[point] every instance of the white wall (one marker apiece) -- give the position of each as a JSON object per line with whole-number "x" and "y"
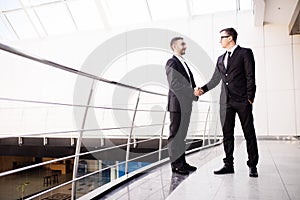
{"x": 277, "y": 103}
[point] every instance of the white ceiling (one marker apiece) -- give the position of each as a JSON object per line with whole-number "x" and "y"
{"x": 23, "y": 19}
{"x": 279, "y": 11}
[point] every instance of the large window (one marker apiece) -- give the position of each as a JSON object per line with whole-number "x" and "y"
{"x": 23, "y": 19}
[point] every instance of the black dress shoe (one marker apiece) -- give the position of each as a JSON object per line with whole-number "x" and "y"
{"x": 225, "y": 170}
{"x": 180, "y": 170}
{"x": 253, "y": 172}
{"x": 190, "y": 168}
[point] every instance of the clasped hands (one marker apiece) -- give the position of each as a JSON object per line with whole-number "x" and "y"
{"x": 198, "y": 91}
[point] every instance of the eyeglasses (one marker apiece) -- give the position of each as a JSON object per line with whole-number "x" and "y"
{"x": 225, "y": 36}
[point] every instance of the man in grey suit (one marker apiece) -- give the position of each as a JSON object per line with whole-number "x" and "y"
{"x": 180, "y": 98}
{"x": 236, "y": 69}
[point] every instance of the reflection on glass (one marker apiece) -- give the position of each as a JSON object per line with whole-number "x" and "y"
{"x": 101, "y": 172}
{"x": 176, "y": 179}
{"x": 32, "y": 181}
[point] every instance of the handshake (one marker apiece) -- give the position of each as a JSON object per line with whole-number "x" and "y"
{"x": 198, "y": 91}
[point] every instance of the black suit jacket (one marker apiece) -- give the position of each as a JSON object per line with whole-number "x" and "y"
{"x": 181, "y": 90}
{"x": 238, "y": 80}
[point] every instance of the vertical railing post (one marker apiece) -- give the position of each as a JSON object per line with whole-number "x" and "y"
{"x": 130, "y": 134}
{"x": 208, "y": 134}
{"x": 161, "y": 136}
{"x": 205, "y": 126}
{"x": 78, "y": 144}
{"x": 216, "y": 130}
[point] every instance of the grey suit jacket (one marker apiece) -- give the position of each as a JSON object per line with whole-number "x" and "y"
{"x": 181, "y": 88}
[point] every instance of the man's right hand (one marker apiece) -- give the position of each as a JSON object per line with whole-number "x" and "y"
{"x": 198, "y": 91}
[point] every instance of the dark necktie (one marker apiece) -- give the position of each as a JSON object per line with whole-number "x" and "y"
{"x": 228, "y": 58}
{"x": 189, "y": 71}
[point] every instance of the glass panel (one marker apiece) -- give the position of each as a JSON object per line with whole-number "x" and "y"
{"x": 200, "y": 7}
{"x": 40, "y": 2}
{"x": 21, "y": 24}
{"x": 36, "y": 22}
{"x": 5, "y": 34}
{"x": 85, "y": 14}
{"x": 26, "y": 183}
{"x": 26, "y": 3}
{"x": 55, "y": 18}
{"x": 9, "y": 4}
{"x": 168, "y": 9}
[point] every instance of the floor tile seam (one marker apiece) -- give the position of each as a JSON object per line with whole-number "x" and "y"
{"x": 278, "y": 171}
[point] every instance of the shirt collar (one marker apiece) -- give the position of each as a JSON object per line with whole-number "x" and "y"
{"x": 232, "y": 49}
{"x": 179, "y": 58}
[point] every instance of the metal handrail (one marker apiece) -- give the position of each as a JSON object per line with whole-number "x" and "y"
{"x": 130, "y": 134}
{"x": 88, "y": 106}
{"x": 71, "y": 70}
{"x": 86, "y": 130}
{"x": 74, "y": 131}
{"x": 146, "y": 140}
{"x": 194, "y": 141}
{"x": 77, "y": 105}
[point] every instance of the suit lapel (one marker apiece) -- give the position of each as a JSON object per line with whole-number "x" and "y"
{"x": 233, "y": 57}
{"x": 181, "y": 69}
{"x": 192, "y": 78}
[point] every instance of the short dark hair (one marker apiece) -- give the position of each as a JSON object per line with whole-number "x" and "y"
{"x": 174, "y": 40}
{"x": 232, "y": 32}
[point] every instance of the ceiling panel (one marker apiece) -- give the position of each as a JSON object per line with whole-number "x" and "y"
{"x": 85, "y": 14}
{"x": 55, "y": 18}
{"x": 168, "y": 9}
{"x": 21, "y": 24}
{"x": 5, "y": 33}
{"x": 9, "y": 4}
{"x": 36, "y": 22}
{"x": 279, "y": 11}
{"x": 121, "y": 13}
{"x": 40, "y": 2}
{"x": 200, "y": 7}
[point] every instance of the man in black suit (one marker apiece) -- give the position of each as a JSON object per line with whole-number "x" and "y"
{"x": 236, "y": 69}
{"x": 180, "y": 98}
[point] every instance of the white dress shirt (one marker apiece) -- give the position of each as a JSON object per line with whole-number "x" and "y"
{"x": 226, "y": 56}
{"x": 184, "y": 65}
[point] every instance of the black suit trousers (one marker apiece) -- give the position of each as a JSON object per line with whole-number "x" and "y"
{"x": 179, "y": 123}
{"x": 227, "y": 114}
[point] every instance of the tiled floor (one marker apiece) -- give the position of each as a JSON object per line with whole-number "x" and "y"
{"x": 278, "y": 168}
